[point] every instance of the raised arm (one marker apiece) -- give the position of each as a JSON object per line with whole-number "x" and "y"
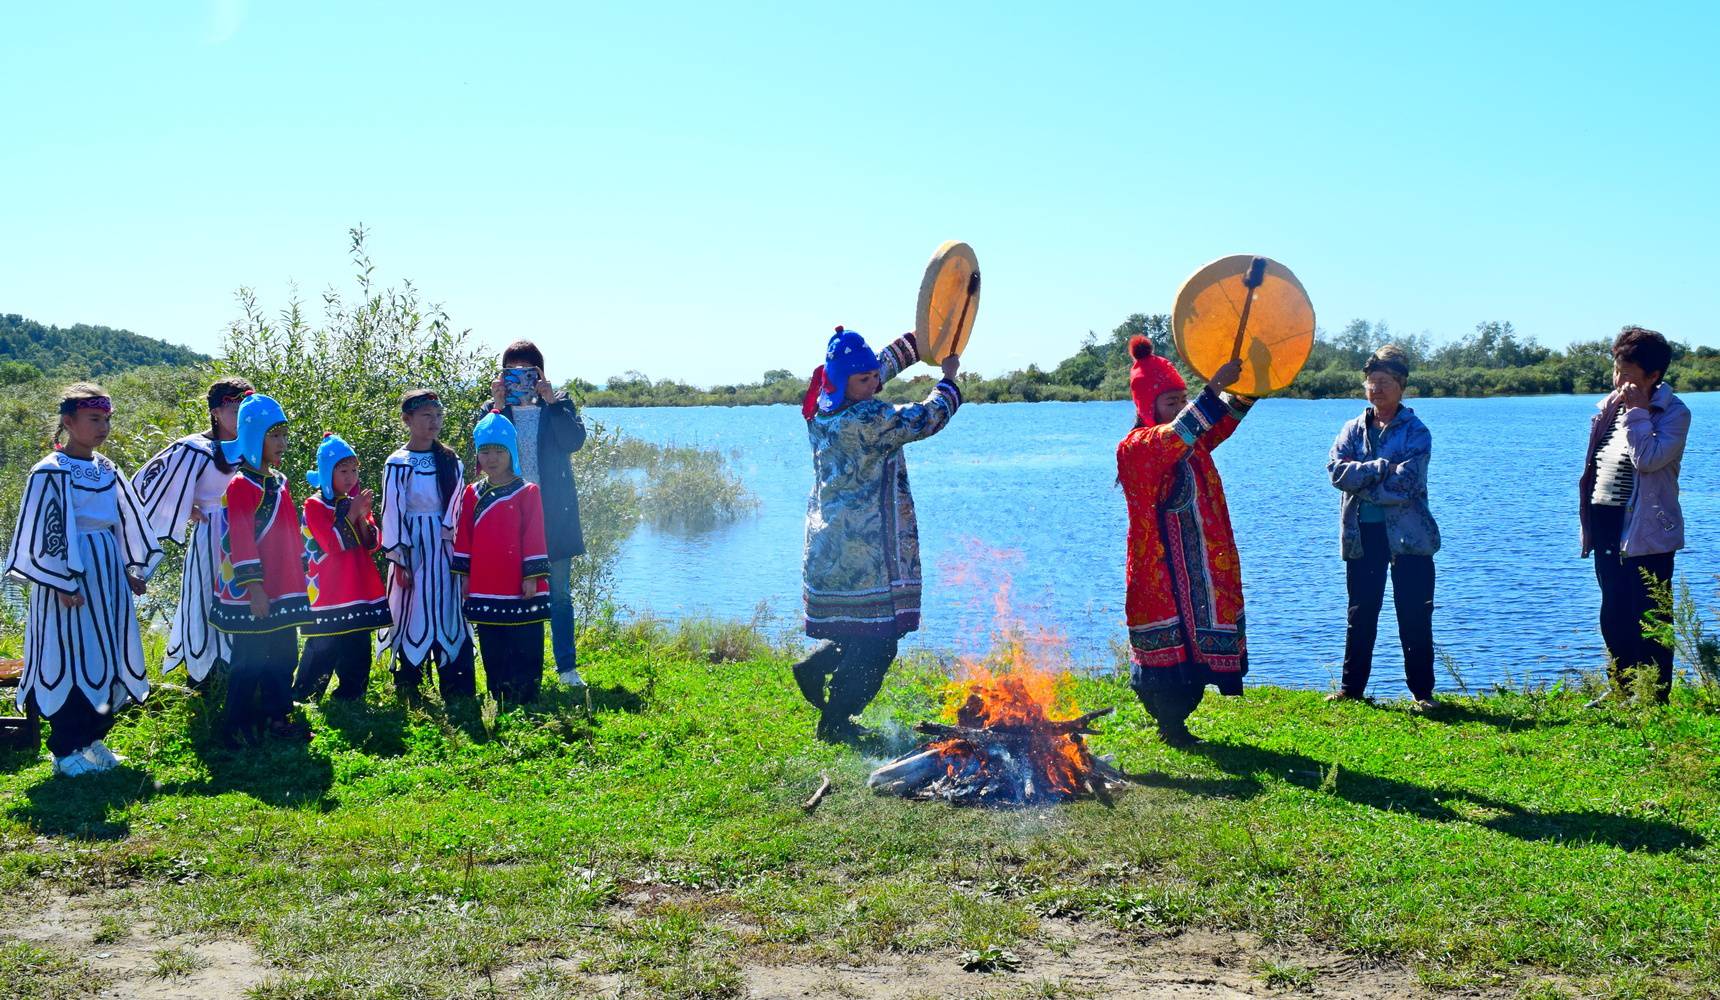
{"x": 918, "y": 421}
{"x": 897, "y": 356}
{"x": 1235, "y": 408}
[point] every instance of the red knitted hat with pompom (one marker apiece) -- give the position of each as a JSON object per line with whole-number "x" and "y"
{"x": 1150, "y": 376}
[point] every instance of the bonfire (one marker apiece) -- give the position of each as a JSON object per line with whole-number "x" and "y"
{"x": 1007, "y": 746}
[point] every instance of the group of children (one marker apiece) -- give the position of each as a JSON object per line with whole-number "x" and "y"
{"x": 259, "y": 571}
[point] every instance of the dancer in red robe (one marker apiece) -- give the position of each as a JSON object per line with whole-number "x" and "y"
{"x": 1184, "y": 578}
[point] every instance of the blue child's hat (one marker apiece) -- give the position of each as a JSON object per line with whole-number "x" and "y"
{"x": 847, "y": 355}
{"x": 330, "y": 453}
{"x": 257, "y": 414}
{"x": 497, "y": 429}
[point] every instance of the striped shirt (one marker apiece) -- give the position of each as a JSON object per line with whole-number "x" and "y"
{"x": 1615, "y": 476}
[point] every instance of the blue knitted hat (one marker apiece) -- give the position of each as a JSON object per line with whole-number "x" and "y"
{"x": 847, "y": 355}
{"x": 497, "y": 429}
{"x": 257, "y": 414}
{"x": 330, "y": 453}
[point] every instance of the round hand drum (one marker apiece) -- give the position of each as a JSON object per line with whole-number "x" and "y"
{"x": 1270, "y": 328}
{"x": 949, "y": 301}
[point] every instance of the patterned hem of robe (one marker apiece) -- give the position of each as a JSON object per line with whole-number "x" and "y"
{"x": 284, "y": 613}
{"x": 1186, "y": 673}
{"x": 364, "y": 616}
{"x": 895, "y": 627}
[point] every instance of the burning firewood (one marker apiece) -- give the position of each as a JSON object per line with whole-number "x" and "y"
{"x": 1003, "y": 750}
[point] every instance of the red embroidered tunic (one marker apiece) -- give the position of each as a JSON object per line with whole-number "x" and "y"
{"x": 345, "y": 591}
{"x": 260, "y": 547}
{"x": 1184, "y": 578}
{"x": 498, "y": 546}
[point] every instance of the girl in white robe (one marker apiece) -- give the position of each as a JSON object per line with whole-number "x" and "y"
{"x": 85, "y": 546}
{"x": 421, "y": 488}
{"x": 181, "y": 490}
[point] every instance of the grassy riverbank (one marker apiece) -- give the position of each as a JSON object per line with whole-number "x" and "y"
{"x": 1514, "y": 845}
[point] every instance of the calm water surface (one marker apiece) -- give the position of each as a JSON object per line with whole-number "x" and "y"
{"x": 1024, "y": 494}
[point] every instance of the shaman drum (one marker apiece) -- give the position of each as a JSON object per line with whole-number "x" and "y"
{"x": 949, "y": 301}
{"x": 1248, "y": 308}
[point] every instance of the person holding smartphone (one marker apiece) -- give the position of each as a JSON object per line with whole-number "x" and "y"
{"x": 548, "y": 430}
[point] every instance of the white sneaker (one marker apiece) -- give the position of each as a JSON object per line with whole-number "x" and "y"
{"x": 74, "y": 764}
{"x": 571, "y": 677}
{"x": 99, "y": 753}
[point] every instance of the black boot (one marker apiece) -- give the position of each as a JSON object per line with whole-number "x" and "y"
{"x": 812, "y": 673}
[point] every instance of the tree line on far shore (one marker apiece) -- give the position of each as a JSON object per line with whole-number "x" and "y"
{"x": 1492, "y": 361}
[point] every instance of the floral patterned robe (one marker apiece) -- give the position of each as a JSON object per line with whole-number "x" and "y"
{"x": 862, "y": 560}
{"x": 1184, "y": 602}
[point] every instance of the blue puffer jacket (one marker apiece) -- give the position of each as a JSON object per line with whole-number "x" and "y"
{"x": 1395, "y": 478}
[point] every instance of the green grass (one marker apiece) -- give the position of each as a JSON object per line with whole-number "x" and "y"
{"x": 1516, "y": 839}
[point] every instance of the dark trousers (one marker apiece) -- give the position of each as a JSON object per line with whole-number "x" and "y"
{"x": 217, "y": 669}
{"x": 1412, "y": 593}
{"x": 855, "y": 668}
{"x": 513, "y": 661}
{"x": 1625, "y": 598}
{"x": 260, "y": 680}
{"x": 76, "y": 725}
{"x": 1169, "y": 703}
{"x": 344, "y": 656}
{"x": 454, "y": 674}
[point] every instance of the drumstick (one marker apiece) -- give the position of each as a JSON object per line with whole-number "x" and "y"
{"x": 972, "y": 290}
{"x": 1251, "y": 280}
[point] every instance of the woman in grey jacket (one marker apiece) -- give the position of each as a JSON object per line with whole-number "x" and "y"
{"x": 1379, "y": 462}
{"x": 1628, "y": 499}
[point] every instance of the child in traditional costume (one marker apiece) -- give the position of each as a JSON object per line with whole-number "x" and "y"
{"x": 260, "y": 594}
{"x": 181, "y": 489}
{"x": 499, "y": 547}
{"x": 346, "y": 593}
{"x": 85, "y": 546}
{"x": 862, "y": 561}
{"x": 1184, "y": 578}
{"x": 421, "y": 489}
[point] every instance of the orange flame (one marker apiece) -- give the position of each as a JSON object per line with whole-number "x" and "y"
{"x": 1016, "y": 689}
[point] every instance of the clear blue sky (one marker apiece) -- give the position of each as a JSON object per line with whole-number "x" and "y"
{"x": 703, "y": 193}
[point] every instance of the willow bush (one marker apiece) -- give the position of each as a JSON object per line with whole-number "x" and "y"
{"x": 346, "y": 374}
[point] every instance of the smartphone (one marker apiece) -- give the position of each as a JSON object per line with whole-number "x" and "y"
{"x": 521, "y": 384}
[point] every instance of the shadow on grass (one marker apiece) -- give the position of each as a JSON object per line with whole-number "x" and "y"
{"x": 1244, "y": 765}
{"x": 374, "y": 730}
{"x": 1501, "y": 718}
{"x": 83, "y": 807}
{"x": 276, "y": 772}
{"x": 92, "y": 807}
{"x": 604, "y": 698}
